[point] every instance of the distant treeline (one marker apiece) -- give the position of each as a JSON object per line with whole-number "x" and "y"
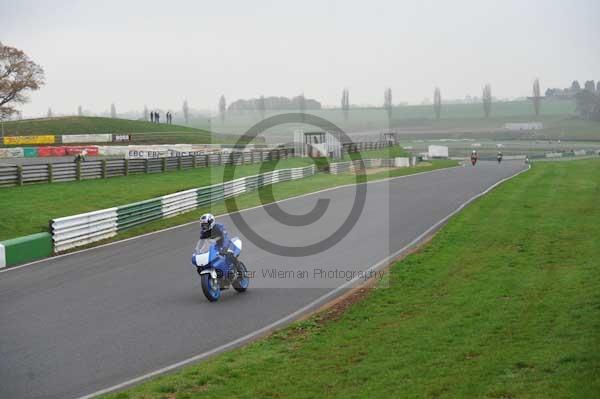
{"x": 274, "y": 103}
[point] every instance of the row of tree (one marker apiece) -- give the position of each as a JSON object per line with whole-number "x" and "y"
{"x": 19, "y": 74}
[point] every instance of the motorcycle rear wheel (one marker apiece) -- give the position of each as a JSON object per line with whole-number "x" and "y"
{"x": 241, "y": 284}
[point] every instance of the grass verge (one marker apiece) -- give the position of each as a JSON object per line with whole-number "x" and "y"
{"x": 504, "y": 302}
{"x": 69, "y": 198}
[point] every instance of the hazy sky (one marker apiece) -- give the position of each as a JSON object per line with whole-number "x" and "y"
{"x": 159, "y": 52}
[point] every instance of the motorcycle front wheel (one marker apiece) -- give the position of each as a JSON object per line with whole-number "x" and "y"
{"x": 241, "y": 283}
{"x": 210, "y": 287}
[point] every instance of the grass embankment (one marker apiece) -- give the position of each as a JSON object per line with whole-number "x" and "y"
{"x": 89, "y": 124}
{"x": 503, "y": 303}
{"x": 142, "y": 132}
{"x": 457, "y": 121}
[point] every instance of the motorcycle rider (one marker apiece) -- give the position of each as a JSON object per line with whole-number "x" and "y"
{"x": 209, "y": 229}
{"x": 474, "y": 157}
{"x": 499, "y": 156}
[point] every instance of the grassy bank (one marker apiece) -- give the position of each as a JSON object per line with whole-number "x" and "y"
{"x": 503, "y": 303}
{"x": 90, "y": 124}
{"x": 457, "y": 121}
{"x": 142, "y": 132}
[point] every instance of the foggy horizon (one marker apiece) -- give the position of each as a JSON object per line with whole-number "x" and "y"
{"x": 158, "y": 54}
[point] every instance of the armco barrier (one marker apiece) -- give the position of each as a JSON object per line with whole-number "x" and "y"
{"x": 25, "y": 249}
{"x": 351, "y": 166}
{"x": 74, "y": 231}
{"x": 94, "y": 169}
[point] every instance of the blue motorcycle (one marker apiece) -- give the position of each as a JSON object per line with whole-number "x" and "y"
{"x": 219, "y": 270}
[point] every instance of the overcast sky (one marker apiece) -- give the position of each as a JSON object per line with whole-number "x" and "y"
{"x": 159, "y": 52}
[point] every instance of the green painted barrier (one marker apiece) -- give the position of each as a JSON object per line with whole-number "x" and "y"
{"x": 137, "y": 213}
{"x": 30, "y": 152}
{"x": 25, "y": 249}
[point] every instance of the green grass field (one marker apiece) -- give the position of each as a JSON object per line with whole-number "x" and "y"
{"x": 142, "y": 132}
{"x": 504, "y": 302}
{"x": 89, "y": 124}
{"x": 457, "y": 121}
{"x": 69, "y": 198}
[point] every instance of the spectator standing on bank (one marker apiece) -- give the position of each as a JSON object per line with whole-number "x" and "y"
{"x": 157, "y": 117}
{"x": 152, "y": 116}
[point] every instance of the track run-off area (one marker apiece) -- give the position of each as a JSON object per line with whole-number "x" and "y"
{"x": 102, "y": 318}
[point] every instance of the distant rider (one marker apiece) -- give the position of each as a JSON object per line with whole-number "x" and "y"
{"x": 216, "y": 231}
{"x": 81, "y": 156}
{"x": 499, "y": 156}
{"x": 474, "y": 157}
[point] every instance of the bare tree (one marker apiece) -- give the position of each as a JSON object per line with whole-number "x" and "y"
{"x": 186, "y": 111}
{"x": 346, "y": 103}
{"x": 145, "y": 112}
{"x": 387, "y": 105}
{"x": 261, "y": 107}
{"x": 222, "y": 108}
{"x": 598, "y": 86}
{"x": 302, "y": 105}
{"x": 575, "y": 86}
{"x": 18, "y": 74}
{"x": 49, "y": 112}
{"x": 437, "y": 102}
{"x": 487, "y": 100}
{"x": 79, "y": 111}
{"x": 590, "y": 86}
{"x": 537, "y": 99}
{"x": 113, "y": 111}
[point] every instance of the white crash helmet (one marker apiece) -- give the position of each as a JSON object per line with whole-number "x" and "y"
{"x": 207, "y": 221}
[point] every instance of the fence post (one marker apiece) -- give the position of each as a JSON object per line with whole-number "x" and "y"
{"x": 147, "y": 167}
{"x": 164, "y": 165}
{"x": 178, "y": 163}
{"x": 19, "y": 175}
{"x": 126, "y": 166}
{"x": 104, "y": 168}
{"x": 50, "y": 172}
{"x": 78, "y": 169}
{"x": 194, "y": 161}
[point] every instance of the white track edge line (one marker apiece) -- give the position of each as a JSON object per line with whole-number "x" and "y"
{"x": 8, "y": 269}
{"x": 306, "y": 308}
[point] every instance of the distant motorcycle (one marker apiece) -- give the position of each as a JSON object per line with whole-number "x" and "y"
{"x": 499, "y": 157}
{"x": 219, "y": 270}
{"x": 474, "y": 158}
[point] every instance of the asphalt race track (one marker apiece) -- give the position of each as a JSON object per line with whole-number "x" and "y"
{"x": 84, "y": 322}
